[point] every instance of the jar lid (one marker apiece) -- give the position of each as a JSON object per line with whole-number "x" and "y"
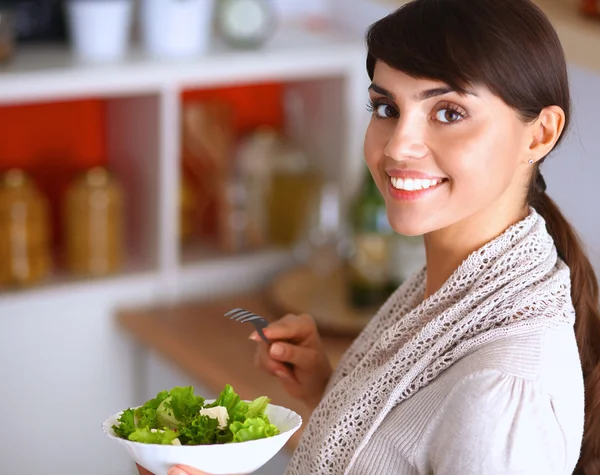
{"x": 97, "y": 176}
{"x": 15, "y": 178}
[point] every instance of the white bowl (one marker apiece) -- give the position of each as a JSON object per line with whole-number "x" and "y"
{"x": 218, "y": 459}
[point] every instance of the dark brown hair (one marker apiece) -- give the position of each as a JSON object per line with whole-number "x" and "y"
{"x": 510, "y": 47}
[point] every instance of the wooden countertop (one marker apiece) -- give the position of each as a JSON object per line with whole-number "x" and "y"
{"x": 214, "y": 350}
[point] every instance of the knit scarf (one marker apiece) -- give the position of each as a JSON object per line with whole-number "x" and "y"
{"x": 516, "y": 280}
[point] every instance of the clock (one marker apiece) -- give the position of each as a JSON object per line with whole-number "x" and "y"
{"x": 245, "y": 24}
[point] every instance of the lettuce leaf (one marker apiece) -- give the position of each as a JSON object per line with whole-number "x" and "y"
{"x": 224, "y": 436}
{"x": 257, "y": 407}
{"x": 238, "y": 413}
{"x": 146, "y": 414}
{"x": 180, "y": 406}
{"x": 253, "y": 429}
{"x": 228, "y": 399}
{"x": 125, "y": 424}
{"x": 176, "y": 414}
{"x": 200, "y": 430}
{"x": 146, "y": 436}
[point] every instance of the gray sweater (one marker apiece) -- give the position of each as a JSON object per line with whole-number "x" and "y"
{"x": 513, "y": 406}
{"x": 483, "y": 377}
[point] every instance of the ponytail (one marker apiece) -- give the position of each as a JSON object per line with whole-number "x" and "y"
{"x": 584, "y": 294}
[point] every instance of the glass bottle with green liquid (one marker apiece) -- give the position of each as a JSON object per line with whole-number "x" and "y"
{"x": 368, "y": 268}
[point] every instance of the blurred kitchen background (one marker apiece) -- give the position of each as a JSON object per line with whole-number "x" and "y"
{"x": 161, "y": 154}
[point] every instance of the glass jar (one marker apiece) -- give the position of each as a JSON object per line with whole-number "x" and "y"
{"x": 293, "y": 191}
{"x": 94, "y": 224}
{"x": 24, "y": 231}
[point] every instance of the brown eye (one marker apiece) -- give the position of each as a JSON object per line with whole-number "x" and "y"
{"x": 448, "y": 116}
{"x": 385, "y": 111}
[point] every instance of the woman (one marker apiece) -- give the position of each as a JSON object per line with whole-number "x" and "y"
{"x": 477, "y": 364}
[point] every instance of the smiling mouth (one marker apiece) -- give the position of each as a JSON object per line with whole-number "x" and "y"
{"x": 416, "y": 184}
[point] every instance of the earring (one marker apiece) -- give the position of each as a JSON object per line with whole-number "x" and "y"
{"x": 531, "y": 162}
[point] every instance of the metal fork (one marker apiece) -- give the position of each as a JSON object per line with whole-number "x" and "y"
{"x": 244, "y": 316}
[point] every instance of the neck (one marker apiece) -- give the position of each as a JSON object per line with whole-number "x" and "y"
{"x": 447, "y": 248}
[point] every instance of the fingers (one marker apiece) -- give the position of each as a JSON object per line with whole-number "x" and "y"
{"x": 185, "y": 470}
{"x": 177, "y": 470}
{"x": 272, "y": 358}
{"x": 142, "y": 470}
{"x": 263, "y": 360}
{"x": 290, "y": 327}
{"x": 299, "y": 356}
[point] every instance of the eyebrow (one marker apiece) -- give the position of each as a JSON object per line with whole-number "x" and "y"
{"x": 422, "y": 96}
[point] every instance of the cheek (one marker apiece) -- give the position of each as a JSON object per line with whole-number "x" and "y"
{"x": 478, "y": 156}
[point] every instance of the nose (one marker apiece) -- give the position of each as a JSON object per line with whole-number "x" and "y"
{"x": 407, "y": 140}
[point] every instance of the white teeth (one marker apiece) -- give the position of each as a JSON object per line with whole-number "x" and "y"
{"x": 413, "y": 184}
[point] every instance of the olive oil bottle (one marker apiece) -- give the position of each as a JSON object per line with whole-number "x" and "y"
{"x": 368, "y": 273}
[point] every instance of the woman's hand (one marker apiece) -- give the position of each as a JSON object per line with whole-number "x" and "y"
{"x": 296, "y": 341}
{"x": 178, "y": 470}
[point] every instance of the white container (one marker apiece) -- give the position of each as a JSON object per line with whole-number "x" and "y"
{"x": 99, "y": 28}
{"x": 176, "y": 28}
{"x": 222, "y": 459}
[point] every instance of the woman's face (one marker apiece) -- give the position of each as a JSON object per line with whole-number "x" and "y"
{"x": 441, "y": 158}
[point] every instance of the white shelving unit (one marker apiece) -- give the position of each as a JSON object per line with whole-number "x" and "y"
{"x": 143, "y": 120}
{"x": 58, "y": 340}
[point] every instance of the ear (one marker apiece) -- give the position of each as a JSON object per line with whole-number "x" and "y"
{"x": 546, "y": 131}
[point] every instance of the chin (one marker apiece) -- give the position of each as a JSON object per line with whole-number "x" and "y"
{"x": 408, "y": 226}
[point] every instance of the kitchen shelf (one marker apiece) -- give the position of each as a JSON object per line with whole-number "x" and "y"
{"x": 143, "y": 96}
{"x": 61, "y": 286}
{"x": 50, "y": 72}
{"x": 130, "y": 151}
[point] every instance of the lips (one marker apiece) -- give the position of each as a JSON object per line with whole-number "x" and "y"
{"x": 411, "y": 189}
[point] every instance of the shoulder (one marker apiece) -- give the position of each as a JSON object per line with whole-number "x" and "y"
{"x": 494, "y": 423}
{"x": 515, "y": 405}
{"x": 546, "y": 355}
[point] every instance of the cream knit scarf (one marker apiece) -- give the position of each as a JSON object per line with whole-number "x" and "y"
{"x": 513, "y": 281}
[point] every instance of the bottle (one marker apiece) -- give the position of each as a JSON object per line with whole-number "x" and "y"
{"x": 94, "y": 224}
{"x": 324, "y": 245}
{"x": 254, "y": 165}
{"x": 368, "y": 267}
{"x": 187, "y": 209}
{"x": 24, "y": 231}
{"x": 295, "y": 181}
{"x": 293, "y": 191}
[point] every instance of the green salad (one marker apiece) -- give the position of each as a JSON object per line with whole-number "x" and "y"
{"x": 179, "y": 417}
